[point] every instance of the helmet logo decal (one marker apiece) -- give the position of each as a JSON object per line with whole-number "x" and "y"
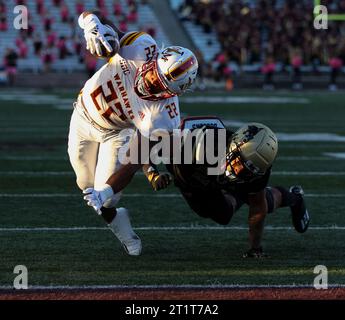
{"x": 251, "y": 132}
{"x": 169, "y": 51}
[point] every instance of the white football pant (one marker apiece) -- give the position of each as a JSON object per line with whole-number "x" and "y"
{"x": 94, "y": 153}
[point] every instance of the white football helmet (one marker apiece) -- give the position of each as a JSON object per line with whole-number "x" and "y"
{"x": 251, "y": 153}
{"x": 174, "y": 68}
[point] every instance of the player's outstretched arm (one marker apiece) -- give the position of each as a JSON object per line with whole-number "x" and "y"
{"x": 98, "y": 35}
{"x": 256, "y": 219}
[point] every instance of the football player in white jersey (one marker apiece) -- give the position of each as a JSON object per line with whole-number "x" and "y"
{"x": 138, "y": 89}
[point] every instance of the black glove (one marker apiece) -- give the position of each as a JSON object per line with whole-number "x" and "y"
{"x": 255, "y": 253}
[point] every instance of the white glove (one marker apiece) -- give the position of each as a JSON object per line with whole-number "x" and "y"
{"x": 96, "y": 198}
{"x": 94, "y": 33}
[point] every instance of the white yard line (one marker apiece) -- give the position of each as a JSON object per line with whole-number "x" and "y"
{"x": 36, "y": 173}
{"x": 308, "y": 173}
{"x": 336, "y": 155}
{"x": 34, "y": 158}
{"x": 245, "y": 100}
{"x": 300, "y": 158}
{"x": 138, "y": 195}
{"x": 70, "y": 195}
{"x": 45, "y": 130}
{"x": 165, "y": 228}
{"x": 57, "y": 158}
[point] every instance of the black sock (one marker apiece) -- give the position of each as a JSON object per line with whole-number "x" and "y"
{"x": 288, "y": 198}
{"x": 108, "y": 214}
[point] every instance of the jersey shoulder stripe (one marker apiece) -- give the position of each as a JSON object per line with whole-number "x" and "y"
{"x": 130, "y": 38}
{"x": 126, "y": 37}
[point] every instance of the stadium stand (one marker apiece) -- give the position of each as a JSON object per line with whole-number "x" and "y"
{"x": 264, "y": 36}
{"x": 245, "y": 41}
{"x": 53, "y": 41}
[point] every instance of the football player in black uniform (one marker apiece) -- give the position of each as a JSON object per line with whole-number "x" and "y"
{"x": 251, "y": 151}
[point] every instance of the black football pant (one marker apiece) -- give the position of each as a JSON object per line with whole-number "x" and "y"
{"x": 217, "y": 205}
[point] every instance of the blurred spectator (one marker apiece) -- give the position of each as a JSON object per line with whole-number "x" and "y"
{"x": 27, "y": 33}
{"x": 64, "y": 12}
{"x": 100, "y": 3}
{"x": 62, "y": 46}
{"x": 3, "y": 22}
{"x": 200, "y": 80}
{"x": 296, "y": 63}
{"x": 151, "y": 30}
{"x": 40, "y": 7}
{"x": 10, "y": 62}
{"x": 57, "y": 3}
{"x": 22, "y": 47}
{"x": 47, "y": 58}
{"x": 2, "y": 8}
{"x": 47, "y": 22}
{"x": 51, "y": 39}
{"x": 117, "y": 8}
{"x": 268, "y": 70}
{"x": 104, "y": 12}
{"x": 78, "y": 48}
{"x": 79, "y": 7}
{"x": 222, "y": 71}
{"x": 37, "y": 43}
{"x": 132, "y": 5}
{"x": 31, "y": 29}
{"x": 335, "y": 64}
{"x": 132, "y": 16}
{"x": 90, "y": 63}
{"x": 123, "y": 25}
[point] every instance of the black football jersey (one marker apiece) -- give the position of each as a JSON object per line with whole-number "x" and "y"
{"x": 196, "y": 177}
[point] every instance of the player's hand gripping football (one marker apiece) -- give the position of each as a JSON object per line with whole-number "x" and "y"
{"x": 97, "y": 198}
{"x": 95, "y": 34}
{"x": 160, "y": 181}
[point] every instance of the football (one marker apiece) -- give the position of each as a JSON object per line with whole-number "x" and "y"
{"x": 114, "y": 43}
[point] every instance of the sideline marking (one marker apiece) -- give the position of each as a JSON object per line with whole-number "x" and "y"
{"x": 184, "y": 286}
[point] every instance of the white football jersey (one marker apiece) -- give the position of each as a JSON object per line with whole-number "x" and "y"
{"x": 109, "y": 95}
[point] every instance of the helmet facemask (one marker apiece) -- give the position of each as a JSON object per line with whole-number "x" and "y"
{"x": 239, "y": 169}
{"x": 251, "y": 152}
{"x": 147, "y": 90}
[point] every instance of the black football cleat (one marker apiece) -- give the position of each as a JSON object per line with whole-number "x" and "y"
{"x": 299, "y": 212}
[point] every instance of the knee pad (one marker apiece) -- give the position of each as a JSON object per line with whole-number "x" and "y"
{"x": 269, "y": 200}
{"x": 288, "y": 198}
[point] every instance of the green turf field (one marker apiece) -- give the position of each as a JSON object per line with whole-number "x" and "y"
{"x": 40, "y": 203}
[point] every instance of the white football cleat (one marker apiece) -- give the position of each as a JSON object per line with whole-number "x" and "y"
{"x": 122, "y": 228}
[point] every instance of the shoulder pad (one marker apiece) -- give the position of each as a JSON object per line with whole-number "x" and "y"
{"x": 130, "y": 37}
{"x": 199, "y": 122}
